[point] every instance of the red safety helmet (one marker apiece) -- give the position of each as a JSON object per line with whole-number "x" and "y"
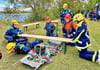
{"x": 67, "y": 16}
{"x": 47, "y": 18}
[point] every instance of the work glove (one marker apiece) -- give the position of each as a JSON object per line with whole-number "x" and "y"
{"x": 18, "y": 33}
{"x": 63, "y": 21}
{"x": 21, "y": 33}
{"x": 64, "y": 35}
{"x": 14, "y": 35}
{"x": 69, "y": 35}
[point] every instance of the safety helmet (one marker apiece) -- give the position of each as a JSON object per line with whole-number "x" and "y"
{"x": 78, "y": 17}
{"x": 14, "y": 22}
{"x": 47, "y": 18}
{"x": 94, "y": 11}
{"x": 65, "y": 5}
{"x": 10, "y": 47}
{"x": 67, "y": 16}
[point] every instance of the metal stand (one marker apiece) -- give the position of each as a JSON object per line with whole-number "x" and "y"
{"x": 57, "y": 29}
{"x": 37, "y": 25}
{"x": 65, "y": 47}
{"x": 25, "y": 28}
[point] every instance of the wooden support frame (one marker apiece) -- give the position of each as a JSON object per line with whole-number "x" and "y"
{"x": 65, "y": 40}
{"x": 56, "y": 22}
{"x": 26, "y": 26}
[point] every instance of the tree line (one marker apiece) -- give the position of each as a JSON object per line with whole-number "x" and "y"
{"x": 52, "y": 8}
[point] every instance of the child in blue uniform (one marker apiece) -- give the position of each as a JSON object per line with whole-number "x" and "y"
{"x": 94, "y": 15}
{"x": 49, "y": 27}
{"x": 82, "y": 40}
{"x": 65, "y": 11}
{"x": 91, "y": 14}
{"x": 82, "y": 12}
{"x": 21, "y": 45}
{"x": 86, "y": 14}
{"x": 12, "y": 32}
{"x": 69, "y": 28}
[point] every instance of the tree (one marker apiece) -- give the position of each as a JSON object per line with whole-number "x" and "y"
{"x": 43, "y": 8}
{"x": 74, "y": 5}
{"x": 39, "y": 7}
{"x": 91, "y": 4}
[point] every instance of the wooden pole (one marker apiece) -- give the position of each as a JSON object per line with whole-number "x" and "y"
{"x": 65, "y": 40}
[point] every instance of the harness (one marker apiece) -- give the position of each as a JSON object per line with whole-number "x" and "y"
{"x": 71, "y": 27}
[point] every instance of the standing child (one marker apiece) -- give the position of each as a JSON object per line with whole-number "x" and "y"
{"x": 65, "y": 11}
{"x": 86, "y": 14}
{"x": 49, "y": 27}
{"x": 69, "y": 28}
{"x": 82, "y": 40}
{"x": 91, "y": 14}
{"x": 94, "y": 15}
{"x": 82, "y": 12}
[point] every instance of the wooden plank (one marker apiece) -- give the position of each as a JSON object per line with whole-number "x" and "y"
{"x": 55, "y": 21}
{"x": 31, "y": 24}
{"x": 46, "y": 37}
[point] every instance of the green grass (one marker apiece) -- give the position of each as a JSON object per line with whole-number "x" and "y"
{"x": 70, "y": 61}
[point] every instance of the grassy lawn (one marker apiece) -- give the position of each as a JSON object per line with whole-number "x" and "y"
{"x": 70, "y": 61}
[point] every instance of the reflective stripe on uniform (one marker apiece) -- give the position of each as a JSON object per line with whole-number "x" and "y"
{"x": 10, "y": 28}
{"x": 79, "y": 24}
{"x": 37, "y": 41}
{"x": 5, "y": 35}
{"x": 76, "y": 39}
{"x": 86, "y": 35}
{"x": 80, "y": 48}
{"x": 17, "y": 33}
{"x": 79, "y": 42}
{"x": 21, "y": 46}
{"x": 8, "y": 39}
{"x": 94, "y": 56}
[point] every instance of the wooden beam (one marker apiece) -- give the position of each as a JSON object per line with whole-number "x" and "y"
{"x": 31, "y": 24}
{"x": 46, "y": 37}
{"x": 55, "y": 21}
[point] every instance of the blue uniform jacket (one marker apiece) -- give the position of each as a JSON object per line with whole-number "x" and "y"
{"x": 63, "y": 13}
{"x": 13, "y": 31}
{"x": 97, "y": 8}
{"x": 49, "y": 26}
{"x": 82, "y": 12}
{"x": 27, "y": 47}
{"x": 23, "y": 47}
{"x": 82, "y": 35}
{"x": 91, "y": 13}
